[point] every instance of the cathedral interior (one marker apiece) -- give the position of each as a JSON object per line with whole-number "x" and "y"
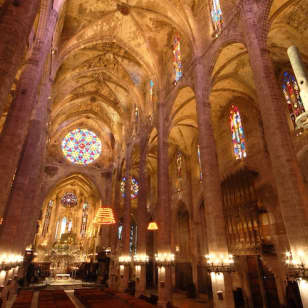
{"x": 154, "y": 153}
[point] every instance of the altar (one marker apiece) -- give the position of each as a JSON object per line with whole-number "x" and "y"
{"x": 63, "y": 276}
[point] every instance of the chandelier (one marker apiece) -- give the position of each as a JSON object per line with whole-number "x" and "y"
{"x": 104, "y": 216}
{"x": 69, "y": 200}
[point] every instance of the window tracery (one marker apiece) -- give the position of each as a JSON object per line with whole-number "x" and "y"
{"x": 177, "y": 59}
{"x": 217, "y": 17}
{"x": 199, "y": 161}
{"x": 134, "y": 187}
{"x": 238, "y": 136}
{"x": 81, "y": 147}
{"x": 47, "y": 218}
{"x": 291, "y": 93}
{"x": 84, "y": 220}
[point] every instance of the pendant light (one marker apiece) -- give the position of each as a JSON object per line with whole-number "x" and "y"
{"x": 104, "y": 216}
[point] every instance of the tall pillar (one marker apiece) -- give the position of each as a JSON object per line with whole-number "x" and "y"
{"x": 16, "y": 127}
{"x": 292, "y": 195}
{"x": 16, "y": 22}
{"x": 289, "y": 182}
{"x": 164, "y": 211}
{"x": 23, "y": 212}
{"x": 126, "y": 220}
{"x": 142, "y": 215}
{"x": 217, "y": 243}
{"x": 301, "y": 76}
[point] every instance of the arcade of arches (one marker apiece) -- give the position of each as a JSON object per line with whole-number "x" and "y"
{"x": 192, "y": 114}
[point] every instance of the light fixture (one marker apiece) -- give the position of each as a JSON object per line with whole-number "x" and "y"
{"x": 141, "y": 258}
{"x": 296, "y": 267}
{"x": 104, "y": 216}
{"x": 165, "y": 258}
{"x": 125, "y": 259}
{"x": 152, "y": 226}
{"x": 220, "y": 263}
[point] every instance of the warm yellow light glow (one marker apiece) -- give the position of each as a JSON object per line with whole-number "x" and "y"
{"x": 141, "y": 258}
{"x": 152, "y": 226}
{"x": 125, "y": 259}
{"x": 104, "y": 216}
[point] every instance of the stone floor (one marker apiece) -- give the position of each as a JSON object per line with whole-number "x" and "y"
{"x": 179, "y": 300}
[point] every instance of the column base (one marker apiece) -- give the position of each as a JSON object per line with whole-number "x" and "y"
{"x": 222, "y": 290}
{"x": 303, "y": 290}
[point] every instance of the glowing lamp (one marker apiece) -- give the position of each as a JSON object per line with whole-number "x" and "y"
{"x": 152, "y": 226}
{"x": 104, "y": 216}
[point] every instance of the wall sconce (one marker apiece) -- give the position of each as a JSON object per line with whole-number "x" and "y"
{"x": 9, "y": 261}
{"x": 164, "y": 259}
{"x": 296, "y": 267}
{"x": 141, "y": 258}
{"x": 125, "y": 259}
{"x": 221, "y": 264}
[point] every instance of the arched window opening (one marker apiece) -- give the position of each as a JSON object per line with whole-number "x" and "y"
{"x": 63, "y": 226}
{"x": 120, "y": 230}
{"x": 177, "y": 59}
{"x": 47, "y": 218}
{"x": 238, "y": 136}
{"x": 133, "y": 238}
{"x": 84, "y": 220}
{"x": 217, "y": 17}
{"x": 291, "y": 93}
{"x": 151, "y": 90}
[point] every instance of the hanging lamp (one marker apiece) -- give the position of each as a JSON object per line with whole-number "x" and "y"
{"x": 104, "y": 216}
{"x": 152, "y": 226}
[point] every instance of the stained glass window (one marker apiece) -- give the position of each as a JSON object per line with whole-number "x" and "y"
{"x": 179, "y": 165}
{"x": 134, "y": 187}
{"x": 151, "y": 90}
{"x": 199, "y": 160}
{"x": 47, "y": 218}
{"x": 84, "y": 220}
{"x": 177, "y": 59}
{"x": 238, "y": 136}
{"x": 216, "y": 14}
{"x": 63, "y": 226}
{"x": 133, "y": 238}
{"x": 81, "y": 146}
{"x": 69, "y": 199}
{"x": 292, "y": 95}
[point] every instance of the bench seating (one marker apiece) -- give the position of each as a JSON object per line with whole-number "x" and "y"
{"x": 55, "y": 299}
{"x": 96, "y": 298}
{"x": 23, "y": 299}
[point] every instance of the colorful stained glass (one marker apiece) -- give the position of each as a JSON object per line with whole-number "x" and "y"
{"x": 81, "y": 146}
{"x": 217, "y": 17}
{"x": 84, "y": 220}
{"x": 69, "y": 199}
{"x": 47, "y": 218}
{"x": 199, "y": 160}
{"x": 238, "y": 136}
{"x": 134, "y": 188}
{"x": 151, "y": 90}
{"x": 292, "y": 95}
{"x": 177, "y": 59}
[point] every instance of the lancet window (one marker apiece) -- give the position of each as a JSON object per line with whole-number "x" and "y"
{"x": 177, "y": 59}
{"x": 217, "y": 17}
{"x": 238, "y": 136}
{"x": 292, "y": 95}
{"x": 47, "y": 218}
{"x": 133, "y": 238}
{"x": 84, "y": 220}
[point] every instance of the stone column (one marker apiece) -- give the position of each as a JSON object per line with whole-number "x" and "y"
{"x": 126, "y": 218}
{"x": 142, "y": 214}
{"x": 217, "y": 243}
{"x": 12, "y": 140}
{"x": 114, "y": 242}
{"x": 23, "y": 212}
{"x": 164, "y": 211}
{"x": 300, "y": 73}
{"x": 16, "y": 22}
{"x": 292, "y": 195}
